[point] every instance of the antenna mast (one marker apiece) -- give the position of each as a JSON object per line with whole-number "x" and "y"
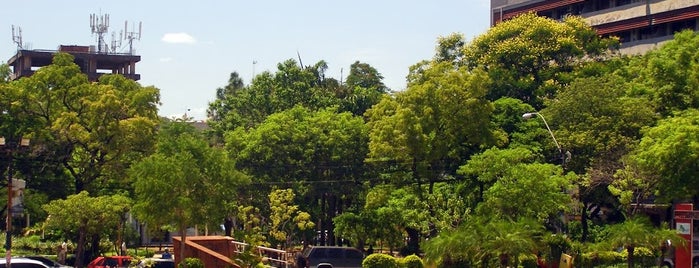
{"x": 17, "y": 38}
{"x": 132, "y": 35}
{"x": 100, "y": 26}
{"x": 116, "y": 43}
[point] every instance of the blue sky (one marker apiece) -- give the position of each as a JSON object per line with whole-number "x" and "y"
{"x": 189, "y": 48}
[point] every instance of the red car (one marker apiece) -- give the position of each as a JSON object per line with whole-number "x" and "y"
{"x": 110, "y": 262}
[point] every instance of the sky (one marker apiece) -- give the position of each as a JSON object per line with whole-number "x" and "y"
{"x": 189, "y": 49}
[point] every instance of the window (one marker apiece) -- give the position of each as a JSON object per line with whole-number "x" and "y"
{"x": 335, "y": 253}
{"x": 354, "y": 254}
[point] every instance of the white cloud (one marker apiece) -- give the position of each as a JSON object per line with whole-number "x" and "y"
{"x": 165, "y": 59}
{"x": 178, "y": 38}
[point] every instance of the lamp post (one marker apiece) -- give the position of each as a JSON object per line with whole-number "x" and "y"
{"x": 560, "y": 150}
{"x": 9, "y": 147}
{"x": 560, "y": 153}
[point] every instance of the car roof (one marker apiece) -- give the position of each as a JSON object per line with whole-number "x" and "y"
{"x": 46, "y": 260}
{"x": 21, "y": 260}
{"x": 157, "y": 259}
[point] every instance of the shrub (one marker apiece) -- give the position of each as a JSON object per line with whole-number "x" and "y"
{"x": 412, "y": 261}
{"x": 380, "y": 260}
{"x": 192, "y": 263}
{"x": 601, "y": 258}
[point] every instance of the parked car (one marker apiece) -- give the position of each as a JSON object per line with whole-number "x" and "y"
{"x": 156, "y": 263}
{"x": 22, "y": 262}
{"x": 332, "y": 257}
{"x": 47, "y": 261}
{"x": 110, "y": 262}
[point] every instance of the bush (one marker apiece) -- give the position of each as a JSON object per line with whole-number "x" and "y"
{"x": 380, "y": 260}
{"x": 191, "y": 263}
{"x": 412, "y": 261}
{"x": 601, "y": 258}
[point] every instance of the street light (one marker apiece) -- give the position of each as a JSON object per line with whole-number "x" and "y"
{"x": 9, "y": 148}
{"x": 560, "y": 151}
{"x": 563, "y": 156}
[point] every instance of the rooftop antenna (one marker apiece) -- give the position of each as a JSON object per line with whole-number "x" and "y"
{"x": 116, "y": 43}
{"x": 17, "y": 37}
{"x": 100, "y": 26}
{"x": 132, "y": 35}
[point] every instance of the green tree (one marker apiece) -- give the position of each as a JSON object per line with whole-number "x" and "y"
{"x": 536, "y": 191}
{"x": 671, "y": 73}
{"x": 362, "y": 89}
{"x": 4, "y": 73}
{"x": 527, "y": 55}
{"x": 318, "y": 154}
{"x": 83, "y": 216}
{"x": 428, "y": 129}
{"x": 484, "y": 240}
{"x": 638, "y": 232}
{"x": 92, "y": 131}
{"x": 185, "y": 182}
{"x": 224, "y": 103}
{"x": 667, "y": 156}
{"x": 285, "y": 217}
{"x": 237, "y": 105}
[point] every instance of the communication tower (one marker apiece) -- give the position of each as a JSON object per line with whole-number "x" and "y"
{"x": 116, "y": 43}
{"x": 132, "y": 35}
{"x": 100, "y": 26}
{"x": 17, "y": 37}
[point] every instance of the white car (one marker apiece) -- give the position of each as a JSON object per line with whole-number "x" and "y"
{"x": 20, "y": 262}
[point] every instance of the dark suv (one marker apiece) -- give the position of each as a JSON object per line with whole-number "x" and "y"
{"x": 333, "y": 257}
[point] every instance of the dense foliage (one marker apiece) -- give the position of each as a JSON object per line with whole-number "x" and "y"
{"x": 447, "y": 168}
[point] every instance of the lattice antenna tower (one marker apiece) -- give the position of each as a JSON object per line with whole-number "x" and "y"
{"x": 132, "y": 35}
{"x": 100, "y": 26}
{"x": 17, "y": 37}
{"x": 116, "y": 42}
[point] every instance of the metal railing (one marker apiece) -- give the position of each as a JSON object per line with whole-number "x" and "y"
{"x": 275, "y": 257}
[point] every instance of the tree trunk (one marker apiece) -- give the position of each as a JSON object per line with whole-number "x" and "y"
{"x": 583, "y": 222}
{"x": 630, "y": 250}
{"x": 80, "y": 249}
{"x": 413, "y": 241}
{"x": 504, "y": 260}
{"x": 183, "y": 236}
{"x": 228, "y": 226}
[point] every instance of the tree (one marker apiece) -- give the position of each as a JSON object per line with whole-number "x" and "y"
{"x": 428, "y": 129}
{"x": 527, "y": 56}
{"x": 285, "y": 217}
{"x": 4, "y": 73}
{"x": 318, "y": 154}
{"x": 365, "y": 76}
{"x": 84, "y": 216}
{"x": 185, "y": 182}
{"x": 291, "y": 85}
{"x": 670, "y": 74}
{"x": 667, "y": 156}
{"x": 92, "y": 131}
{"x": 363, "y": 87}
{"x": 224, "y": 103}
{"x": 482, "y": 240}
{"x": 638, "y": 232}
{"x": 602, "y": 128}
{"x": 514, "y": 186}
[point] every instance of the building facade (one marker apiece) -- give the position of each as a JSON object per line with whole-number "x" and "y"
{"x": 640, "y": 24}
{"x": 92, "y": 63}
